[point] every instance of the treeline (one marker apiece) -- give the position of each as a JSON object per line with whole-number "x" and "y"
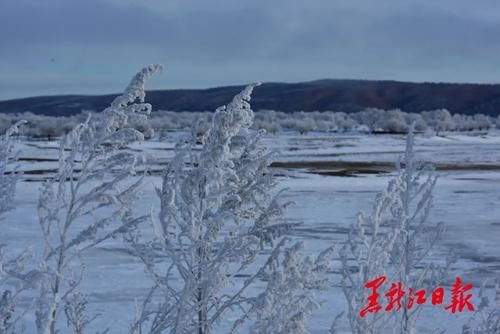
{"x": 370, "y": 120}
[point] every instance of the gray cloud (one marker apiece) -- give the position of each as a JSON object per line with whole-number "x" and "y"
{"x": 63, "y": 46}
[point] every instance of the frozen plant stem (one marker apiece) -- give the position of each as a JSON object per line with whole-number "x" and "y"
{"x": 217, "y": 214}
{"x": 394, "y": 241}
{"x": 9, "y": 266}
{"x": 94, "y": 176}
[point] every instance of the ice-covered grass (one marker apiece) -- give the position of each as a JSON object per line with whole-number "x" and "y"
{"x": 466, "y": 200}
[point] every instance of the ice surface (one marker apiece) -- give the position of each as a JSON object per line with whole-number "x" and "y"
{"x": 466, "y": 200}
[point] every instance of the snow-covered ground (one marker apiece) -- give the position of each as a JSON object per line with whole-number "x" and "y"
{"x": 330, "y": 177}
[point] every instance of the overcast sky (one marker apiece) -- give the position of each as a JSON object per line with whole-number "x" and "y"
{"x": 95, "y": 46}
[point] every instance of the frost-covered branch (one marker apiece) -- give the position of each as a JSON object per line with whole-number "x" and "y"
{"x": 394, "y": 241}
{"x": 76, "y": 316}
{"x": 8, "y": 174}
{"x": 366, "y": 255}
{"x": 10, "y": 266}
{"x": 95, "y": 178}
{"x": 217, "y": 214}
{"x": 289, "y": 300}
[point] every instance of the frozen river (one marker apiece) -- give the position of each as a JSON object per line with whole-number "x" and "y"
{"x": 330, "y": 178}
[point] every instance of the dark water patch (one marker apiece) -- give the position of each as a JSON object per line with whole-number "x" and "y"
{"x": 28, "y": 180}
{"x": 344, "y": 145}
{"x": 242, "y": 276}
{"x": 470, "y": 179}
{"x": 340, "y": 154}
{"x": 466, "y": 252}
{"x": 319, "y": 231}
{"x": 482, "y": 258}
{"x": 41, "y": 171}
{"x": 468, "y": 167}
{"x": 357, "y": 191}
{"x": 303, "y": 191}
{"x": 161, "y": 149}
{"x": 35, "y": 159}
{"x": 341, "y": 173}
{"x": 361, "y": 167}
{"x": 468, "y": 192}
{"x": 322, "y": 231}
{"x": 328, "y": 165}
{"x": 494, "y": 268}
{"x": 323, "y": 139}
{"x": 55, "y": 147}
{"x": 349, "y": 173}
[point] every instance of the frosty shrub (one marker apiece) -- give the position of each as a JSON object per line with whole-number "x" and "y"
{"x": 219, "y": 211}
{"x": 10, "y": 266}
{"x": 8, "y": 175}
{"x": 416, "y": 237}
{"x": 289, "y": 300}
{"x": 393, "y": 241}
{"x": 366, "y": 255}
{"x": 215, "y": 216}
{"x": 95, "y": 178}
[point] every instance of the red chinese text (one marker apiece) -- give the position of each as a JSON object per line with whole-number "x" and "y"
{"x": 397, "y": 296}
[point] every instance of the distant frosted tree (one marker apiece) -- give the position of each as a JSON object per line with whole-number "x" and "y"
{"x": 420, "y": 124}
{"x": 439, "y": 120}
{"x": 95, "y": 178}
{"x": 368, "y": 117}
{"x": 267, "y": 120}
{"x": 305, "y": 123}
{"x": 217, "y": 214}
{"x": 392, "y": 121}
{"x": 395, "y": 120}
{"x": 483, "y": 122}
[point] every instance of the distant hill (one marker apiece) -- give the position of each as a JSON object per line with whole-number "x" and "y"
{"x": 335, "y": 95}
